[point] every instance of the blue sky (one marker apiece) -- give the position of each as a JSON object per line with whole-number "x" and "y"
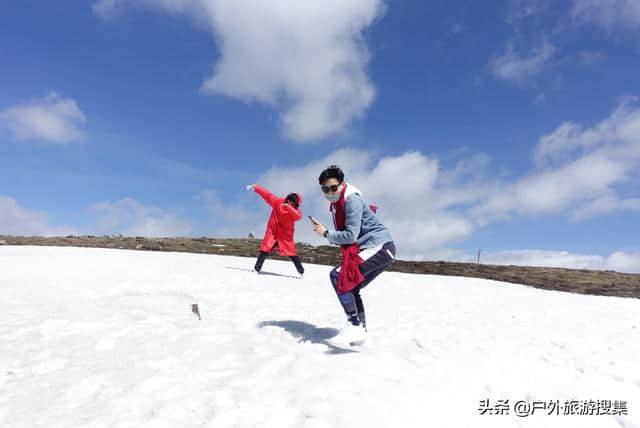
{"x": 509, "y": 126}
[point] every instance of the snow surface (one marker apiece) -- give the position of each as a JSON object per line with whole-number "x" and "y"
{"x": 106, "y": 338}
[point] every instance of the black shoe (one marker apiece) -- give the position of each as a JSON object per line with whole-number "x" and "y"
{"x": 353, "y": 319}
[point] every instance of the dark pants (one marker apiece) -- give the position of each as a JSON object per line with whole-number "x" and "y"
{"x": 372, "y": 267}
{"x": 263, "y": 255}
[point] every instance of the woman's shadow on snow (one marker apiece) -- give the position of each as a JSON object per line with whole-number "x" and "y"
{"x": 306, "y": 332}
{"x": 263, "y": 272}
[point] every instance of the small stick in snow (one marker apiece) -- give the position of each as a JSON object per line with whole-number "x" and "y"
{"x": 195, "y": 310}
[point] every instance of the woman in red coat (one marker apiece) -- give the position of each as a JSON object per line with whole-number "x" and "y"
{"x": 281, "y": 227}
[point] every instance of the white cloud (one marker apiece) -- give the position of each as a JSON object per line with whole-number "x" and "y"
{"x": 556, "y": 190}
{"x": 236, "y": 219}
{"x": 622, "y": 127}
{"x": 53, "y": 119}
{"x": 624, "y": 262}
{"x": 403, "y": 187}
{"x": 518, "y": 10}
{"x": 16, "y": 220}
{"x": 612, "y": 15}
{"x": 605, "y": 204}
{"x": 529, "y": 51}
{"x": 618, "y": 261}
{"x": 512, "y": 67}
{"x": 542, "y": 258}
{"x": 428, "y": 208}
{"x": 216, "y": 206}
{"x": 129, "y": 217}
{"x": 307, "y": 59}
{"x": 110, "y": 8}
{"x": 528, "y": 22}
{"x": 579, "y": 171}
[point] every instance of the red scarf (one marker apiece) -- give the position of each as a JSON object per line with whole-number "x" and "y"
{"x": 350, "y": 275}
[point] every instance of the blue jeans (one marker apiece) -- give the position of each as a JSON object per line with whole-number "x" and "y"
{"x": 351, "y": 301}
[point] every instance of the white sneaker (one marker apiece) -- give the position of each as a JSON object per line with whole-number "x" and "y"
{"x": 351, "y": 335}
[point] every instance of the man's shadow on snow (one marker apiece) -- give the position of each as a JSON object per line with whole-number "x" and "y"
{"x": 306, "y": 332}
{"x": 262, "y": 272}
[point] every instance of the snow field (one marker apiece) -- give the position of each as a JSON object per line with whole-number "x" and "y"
{"x": 106, "y": 338}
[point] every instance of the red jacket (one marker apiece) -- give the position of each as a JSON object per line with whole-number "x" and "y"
{"x": 281, "y": 227}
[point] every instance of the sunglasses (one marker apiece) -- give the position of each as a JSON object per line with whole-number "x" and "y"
{"x": 333, "y": 188}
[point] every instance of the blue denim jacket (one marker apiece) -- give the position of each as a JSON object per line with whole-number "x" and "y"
{"x": 361, "y": 224}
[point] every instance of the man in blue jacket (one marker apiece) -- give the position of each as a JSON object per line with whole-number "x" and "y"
{"x": 366, "y": 244}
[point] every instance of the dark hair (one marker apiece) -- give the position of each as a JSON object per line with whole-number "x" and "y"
{"x": 332, "y": 171}
{"x": 292, "y": 198}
